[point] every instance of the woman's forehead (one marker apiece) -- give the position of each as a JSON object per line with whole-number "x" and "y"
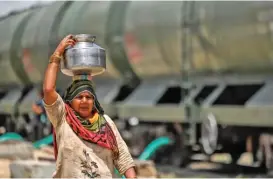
{"x": 85, "y": 93}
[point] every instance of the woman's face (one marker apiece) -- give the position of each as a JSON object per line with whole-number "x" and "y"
{"x": 83, "y": 104}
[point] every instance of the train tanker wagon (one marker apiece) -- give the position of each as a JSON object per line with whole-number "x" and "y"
{"x": 198, "y": 72}
{"x": 223, "y": 50}
{"x": 231, "y": 83}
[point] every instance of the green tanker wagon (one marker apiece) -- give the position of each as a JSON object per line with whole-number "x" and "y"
{"x": 198, "y": 72}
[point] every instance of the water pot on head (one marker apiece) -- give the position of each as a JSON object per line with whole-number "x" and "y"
{"x": 85, "y": 58}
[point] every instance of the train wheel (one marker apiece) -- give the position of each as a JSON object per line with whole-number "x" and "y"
{"x": 209, "y": 134}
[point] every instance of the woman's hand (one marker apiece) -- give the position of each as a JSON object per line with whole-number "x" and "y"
{"x": 130, "y": 173}
{"x": 37, "y": 109}
{"x": 67, "y": 41}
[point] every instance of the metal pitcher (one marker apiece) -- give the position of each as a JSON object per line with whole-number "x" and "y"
{"x": 84, "y": 58}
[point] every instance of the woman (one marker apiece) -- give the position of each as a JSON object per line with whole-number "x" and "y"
{"x": 87, "y": 143}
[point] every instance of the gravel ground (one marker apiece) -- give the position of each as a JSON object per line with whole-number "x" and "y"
{"x": 219, "y": 167}
{"x": 197, "y": 169}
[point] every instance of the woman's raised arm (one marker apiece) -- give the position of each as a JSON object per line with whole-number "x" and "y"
{"x": 49, "y": 86}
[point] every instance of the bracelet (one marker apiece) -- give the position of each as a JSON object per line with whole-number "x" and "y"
{"x": 55, "y": 59}
{"x": 57, "y": 54}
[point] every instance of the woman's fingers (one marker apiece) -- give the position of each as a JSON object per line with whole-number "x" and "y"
{"x": 69, "y": 36}
{"x": 70, "y": 44}
{"x": 71, "y": 41}
{"x": 74, "y": 38}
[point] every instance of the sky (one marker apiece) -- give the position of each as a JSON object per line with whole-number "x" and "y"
{"x": 7, "y": 6}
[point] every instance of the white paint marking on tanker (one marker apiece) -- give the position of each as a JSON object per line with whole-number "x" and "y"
{"x": 117, "y": 39}
{"x": 202, "y": 13}
{"x": 265, "y": 15}
{"x": 271, "y": 26}
{"x": 262, "y": 28}
{"x": 271, "y": 55}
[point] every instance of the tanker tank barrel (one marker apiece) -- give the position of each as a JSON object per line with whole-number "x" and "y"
{"x": 36, "y": 32}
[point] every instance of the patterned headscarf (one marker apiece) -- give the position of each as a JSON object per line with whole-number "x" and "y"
{"x": 79, "y": 86}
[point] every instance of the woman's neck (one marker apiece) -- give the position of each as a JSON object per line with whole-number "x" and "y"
{"x": 94, "y": 117}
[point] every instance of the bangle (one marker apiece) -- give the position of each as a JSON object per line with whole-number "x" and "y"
{"x": 55, "y": 59}
{"x": 58, "y": 54}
